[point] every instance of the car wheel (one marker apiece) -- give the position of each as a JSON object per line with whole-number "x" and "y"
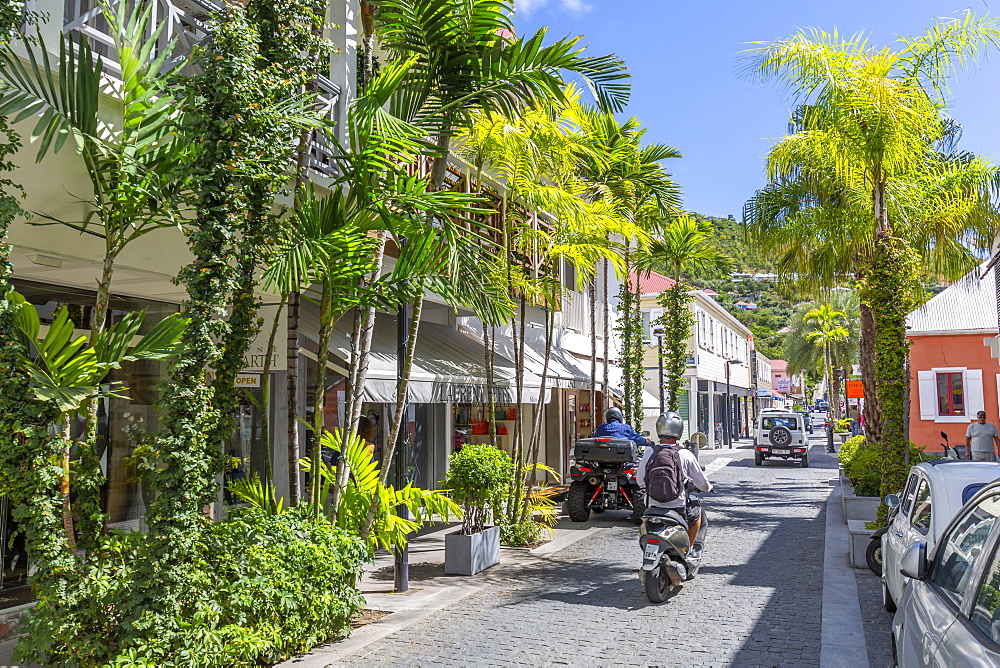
{"x": 887, "y": 602}
{"x": 780, "y": 437}
{"x": 758, "y": 459}
{"x": 805, "y": 461}
{"x": 873, "y": 555}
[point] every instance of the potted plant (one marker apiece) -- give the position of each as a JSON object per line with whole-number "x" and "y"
{"x": 478, "y": 474}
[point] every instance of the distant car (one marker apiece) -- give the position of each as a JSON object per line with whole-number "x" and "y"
{"x": 949, "y": 614}
{"x": 806, "y": 420}
{"x": 935, "y": 491}
{"x": 780, "y": 434}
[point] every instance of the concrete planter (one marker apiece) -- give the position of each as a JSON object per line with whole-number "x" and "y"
{"x": 858, "y": 507}
{"x": 859, "y": 538}
{"x": 467, "y": 555}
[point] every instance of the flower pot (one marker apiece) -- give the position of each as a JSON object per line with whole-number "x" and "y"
{"x": 467, "y": 555}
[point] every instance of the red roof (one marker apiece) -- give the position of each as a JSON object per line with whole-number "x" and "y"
{"x": 653, "y": 283}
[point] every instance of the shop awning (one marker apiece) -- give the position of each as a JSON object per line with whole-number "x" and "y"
{"x": 447, "y": 365}
{"x": 765, "y": 393}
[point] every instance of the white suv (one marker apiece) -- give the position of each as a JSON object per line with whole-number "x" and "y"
{"x": 780, "y": 434}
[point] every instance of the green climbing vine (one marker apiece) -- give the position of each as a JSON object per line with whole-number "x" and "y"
{"x": 676, "y": 322}
{"x": 887, "y": 289}
{"x": 629, "y": 328}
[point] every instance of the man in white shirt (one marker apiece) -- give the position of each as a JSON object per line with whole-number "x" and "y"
{"x": 669, "y": 428}
{"x": 982, "y": 441}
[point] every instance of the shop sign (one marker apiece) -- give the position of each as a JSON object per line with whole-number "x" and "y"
{"x": 247, "y": 380}
{"x": 691, "y": 361}
{"x": 257, "y": 354}
{"x": 855, "y": 389}
{"x": 784, "y": 385}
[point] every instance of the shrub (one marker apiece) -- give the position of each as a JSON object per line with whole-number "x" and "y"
{"x": 849, "y": 448}
{"x": 266, "y": 586}
{"x": 865, "y": 471}
{"x": 478, "y": 475}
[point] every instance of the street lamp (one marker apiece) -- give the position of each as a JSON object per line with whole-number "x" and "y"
{"x": 659, "y": 333}
{"x": 727, "y": 422}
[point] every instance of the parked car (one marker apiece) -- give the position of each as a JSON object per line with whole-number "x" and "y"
{"x": 949, "y": 614}
{"x": 934, "y": 493}
{"x": 780, "y": 434}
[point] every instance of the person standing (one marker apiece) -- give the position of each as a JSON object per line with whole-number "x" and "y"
{"x": 982, "y": 441}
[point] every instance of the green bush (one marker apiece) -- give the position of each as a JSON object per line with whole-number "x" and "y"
{"x": 267, "y": 586}
{"x": 865, "y": 471}
{"x": 849, "y": 448}
{"x": 478, "y": 475}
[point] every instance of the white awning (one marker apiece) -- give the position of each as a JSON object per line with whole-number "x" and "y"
{"x": 447, "y": 365}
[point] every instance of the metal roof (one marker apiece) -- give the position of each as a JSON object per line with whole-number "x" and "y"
{"x": 968, "y": 306}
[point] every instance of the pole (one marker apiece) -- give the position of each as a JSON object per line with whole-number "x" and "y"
{"x": 401, "y": 570}
{"x": 728, "y": 414}
{"x": 659, "y": 340}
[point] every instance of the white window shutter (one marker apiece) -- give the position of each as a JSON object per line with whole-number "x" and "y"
{"x": 974, "y": 392}
{"x": 927, "y": 389}
{"x": 998, "y": 394}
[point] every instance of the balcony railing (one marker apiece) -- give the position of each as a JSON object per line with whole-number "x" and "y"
{"x": 183, "y": 20}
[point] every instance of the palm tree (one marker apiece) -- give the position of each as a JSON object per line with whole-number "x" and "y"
{"x": 803, "y": 355}
{"x": 871, "y": 118}
{"x": 827, "y": 329}
{"x": 684, "y": 245}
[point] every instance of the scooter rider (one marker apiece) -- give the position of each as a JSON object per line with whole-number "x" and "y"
{"x": 669, "y": 428}
{"x": 615, "y": 427}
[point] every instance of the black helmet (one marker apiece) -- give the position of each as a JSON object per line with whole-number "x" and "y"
{"x": 614, "y": 414}
{"x": 669, "y": 425}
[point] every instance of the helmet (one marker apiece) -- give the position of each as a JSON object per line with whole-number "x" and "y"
{"x": 614, "y": 414}
{"x": 669, "y": 425}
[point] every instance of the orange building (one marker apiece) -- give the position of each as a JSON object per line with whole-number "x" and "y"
{"x": 954, "y": 371}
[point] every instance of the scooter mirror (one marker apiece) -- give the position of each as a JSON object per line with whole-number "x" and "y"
{"x": 944, "y": 435}
{"x": 645, "y": 433}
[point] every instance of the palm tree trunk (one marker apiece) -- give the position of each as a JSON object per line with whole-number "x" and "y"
{"x": 489, "y": 352}
{"x": 319, "y": 414}
{"x": 866, "y": 357}
{"x": 536, "y": 429}
{"x": 605, "y": 381}
{"x": 397, "y": 420}
{"x": 517, "y": 448}
{"x": 593, "y": 349}
{"x": 292, "y": 375}
{"x": 265, "y": 398}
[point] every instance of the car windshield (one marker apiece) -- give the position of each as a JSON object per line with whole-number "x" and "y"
{"x": 771, "y": 422}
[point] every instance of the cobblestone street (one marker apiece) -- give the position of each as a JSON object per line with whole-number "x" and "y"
{"x": 757, "y": 600}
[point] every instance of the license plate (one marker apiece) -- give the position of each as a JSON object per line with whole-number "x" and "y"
{"x": 781, "y": 452}
{"x": 612, "y": 485}
{"x": 651, "y": 552}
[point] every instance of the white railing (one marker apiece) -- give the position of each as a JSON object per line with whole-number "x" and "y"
{"x": 183, "y": 20}
{"x": 576, "y": 312}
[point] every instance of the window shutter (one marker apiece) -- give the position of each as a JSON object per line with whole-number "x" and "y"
{"x": 974, "y": 392}
{"x": 998, "y": 394}
{"x": 927, "y": 389}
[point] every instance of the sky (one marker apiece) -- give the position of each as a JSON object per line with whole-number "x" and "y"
{"x": 687, "y": 88}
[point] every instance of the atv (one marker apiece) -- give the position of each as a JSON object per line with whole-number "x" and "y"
{"x": 604, "y": 478}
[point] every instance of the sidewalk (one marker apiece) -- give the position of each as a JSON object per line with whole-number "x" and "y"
{"x": 430, "y": 589}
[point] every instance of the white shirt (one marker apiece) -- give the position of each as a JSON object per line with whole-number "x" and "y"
{"x": 692, "y": 471}
{"x": 982, "y": 436}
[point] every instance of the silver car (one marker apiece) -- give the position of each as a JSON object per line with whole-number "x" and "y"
{"x": 934, "y": 493}
{"x": 949, "y": 614}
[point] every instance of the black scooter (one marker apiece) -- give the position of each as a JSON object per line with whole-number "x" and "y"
{"x": 668, "y": 558}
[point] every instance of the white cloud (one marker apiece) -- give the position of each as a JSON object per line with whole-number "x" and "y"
{"x": 526, "y": 7}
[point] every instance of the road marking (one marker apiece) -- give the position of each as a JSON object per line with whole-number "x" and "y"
{"x": 718, "y": 463}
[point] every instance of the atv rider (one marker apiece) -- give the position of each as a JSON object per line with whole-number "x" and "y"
{"x": 615, "y": 427}
{"x": 669, "y": 428}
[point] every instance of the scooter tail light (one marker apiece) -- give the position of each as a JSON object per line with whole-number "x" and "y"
{"x": 653, "y": 540}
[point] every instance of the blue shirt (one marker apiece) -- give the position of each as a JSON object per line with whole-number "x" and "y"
{"x": 616, "y": 429}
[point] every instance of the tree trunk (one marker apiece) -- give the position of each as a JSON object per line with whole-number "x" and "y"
{"x": 536, "y": 429}
{"x": 866, "y": 357}
{"x": 606, "y": 382}
{"x": 489, "y": 349}
{"x": 319, "y": 409}
{"x": 292, "y": 375}
{"x": 397, "y": 420}
{"x": 593, "y": 351}
{"x": 265, "y": 398}
{"x": 67, "y": 510}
